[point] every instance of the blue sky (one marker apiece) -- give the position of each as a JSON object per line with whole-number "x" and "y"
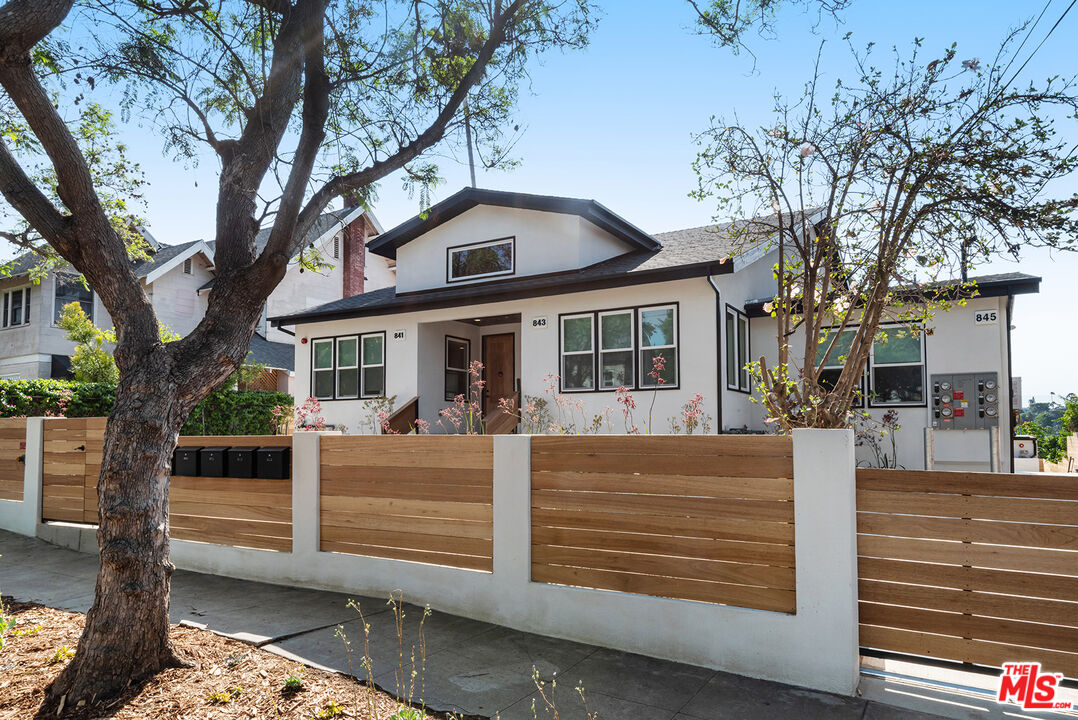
{"x": 616, "y": 122}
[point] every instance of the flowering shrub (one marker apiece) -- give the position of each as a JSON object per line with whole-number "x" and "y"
{"x": 692, "y": 418}
{"x": 465, "y": 415}
{"x": 309, "y": 415}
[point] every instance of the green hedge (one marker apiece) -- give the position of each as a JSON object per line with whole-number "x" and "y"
{"x": 225, "y": 412}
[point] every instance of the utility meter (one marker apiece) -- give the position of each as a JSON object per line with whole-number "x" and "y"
{"x": 965, "y": 401}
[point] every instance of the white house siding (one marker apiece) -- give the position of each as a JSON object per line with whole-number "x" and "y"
{"x": 422, "y": 348}
{"x": 18, "y": 345}
{"x": 298, "y": 291}
{"x": 175, "y": 295}
{"x": 955, "y": 345}
{"x": 545, "y": 242}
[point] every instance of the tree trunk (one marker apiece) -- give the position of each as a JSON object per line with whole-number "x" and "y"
{"x": 126, "y": 638}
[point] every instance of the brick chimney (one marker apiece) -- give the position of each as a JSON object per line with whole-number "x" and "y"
{"x": 354, "y": 257}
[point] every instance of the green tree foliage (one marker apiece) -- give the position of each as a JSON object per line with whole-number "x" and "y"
{"x": 92, "y": 360}
{"x": 225, "y": 412}
{"x": 911, "y": 174}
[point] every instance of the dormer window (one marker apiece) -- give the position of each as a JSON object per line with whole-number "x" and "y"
{"x": 481, "y": 260}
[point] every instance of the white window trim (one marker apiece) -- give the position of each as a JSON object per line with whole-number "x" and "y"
{"x": 631, "y": 349}
{"x": 364, "y": 365}
{"x": 449, "y": 368}
{"x": 873, "y": 401}
{"x": 643, "y": 379}
{"x": 510, "y": 241}
{"x": 315, "y": 369}
{"x": 337, "y": 367}
{"x": 591, "y": 352}
{"x": 6, "y": 304}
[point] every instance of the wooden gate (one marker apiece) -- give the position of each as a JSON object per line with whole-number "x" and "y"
{"x": 71, "y": 464}
{"x": 978, "y": 568}
{"x": 12, "y": 457}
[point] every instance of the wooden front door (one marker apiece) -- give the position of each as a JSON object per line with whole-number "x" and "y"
{"x": 499, "y": 369}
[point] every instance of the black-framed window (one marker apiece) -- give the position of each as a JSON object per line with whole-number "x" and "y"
{"x": 616, "y": 349}
{"x": 69, "y": 289}
{"x": 348, "y": 367}
{"x": 481, "y": 260}
{"x": 897, "y": 374}
{"x": 607, "y": 349}
{"x": 658, "y": 328}
{"x": 838, "y": 351}
{"x": 458, "y": 353}
{"x": 16, "y": 308}
{"x": 737, "y": 350}
{"x": 578, "y": 351}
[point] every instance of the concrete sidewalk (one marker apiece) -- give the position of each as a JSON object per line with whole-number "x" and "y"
{"x": 472, "y": 667}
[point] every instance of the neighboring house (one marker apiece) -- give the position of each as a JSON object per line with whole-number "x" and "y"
{"x": 177, "y": 279}
{"x": 535, "y": 286}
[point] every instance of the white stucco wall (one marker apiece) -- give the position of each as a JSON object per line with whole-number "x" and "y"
{"x": 419, "y": 354}
{"x": 300, "y": 291}
{"x": 955, "y": 345}
{"x": 175, "y": 295}
{"x": 545, "y": 242}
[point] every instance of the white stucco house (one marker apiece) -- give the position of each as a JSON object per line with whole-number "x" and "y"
{"x": 177, "y": 279}
{"x": 535, "y": 286}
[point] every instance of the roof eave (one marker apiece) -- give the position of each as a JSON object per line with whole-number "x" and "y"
{"x": 418, "y": 301}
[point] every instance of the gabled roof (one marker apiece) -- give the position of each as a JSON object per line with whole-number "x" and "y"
{"x": 387, "y": 243}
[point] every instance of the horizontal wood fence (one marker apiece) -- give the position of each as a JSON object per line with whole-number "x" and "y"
{"x": 246, "y": 512}
{"x": 706, "y": 518}
{"x": 974, "y": 567}
{"x": 71, "y": 463}
{"x": 12, "y": 457}
{"x": 423, "y": 498}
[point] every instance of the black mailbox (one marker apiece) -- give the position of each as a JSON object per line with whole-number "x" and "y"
{"x": 272, "y": 463}
{"x": 213, "y": 462}
{"x": 241, "y": 462}
{"x": 185, "y": 461}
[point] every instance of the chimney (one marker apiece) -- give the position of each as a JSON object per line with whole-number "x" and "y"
{"x": 355, "y": 256}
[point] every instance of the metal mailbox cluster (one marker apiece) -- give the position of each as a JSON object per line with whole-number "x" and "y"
{"x": 270, "y": 463}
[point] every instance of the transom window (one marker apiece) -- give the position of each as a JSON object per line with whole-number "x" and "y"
{"x": 348, "y": 367}
{"x": 457, "y": 356}
{"x": 69, "y": 289}
{"x": 480, "y": 260}
{"x": 737, "y": 350}
{"x": 609, "y": 349}
{"x": 16, "y": 307}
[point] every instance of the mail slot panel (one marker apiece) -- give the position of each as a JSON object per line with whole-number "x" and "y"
{"x": 273, "y": 463}
{"x": 241, "y": 462}
{"x": 213, "y": 461}
{"x": 185, "y": 461}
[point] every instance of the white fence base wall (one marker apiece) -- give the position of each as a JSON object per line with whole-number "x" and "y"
{"x": 816, "y": 647}
{"x": 22, "y": 517}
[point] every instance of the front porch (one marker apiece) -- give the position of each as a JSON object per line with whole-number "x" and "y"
{"x": 446, "y": 353}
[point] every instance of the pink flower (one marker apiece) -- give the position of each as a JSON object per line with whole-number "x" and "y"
{"x": 807, "y": 149}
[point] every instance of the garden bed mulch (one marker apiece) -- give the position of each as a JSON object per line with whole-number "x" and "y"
{"x": 230, "y": 679}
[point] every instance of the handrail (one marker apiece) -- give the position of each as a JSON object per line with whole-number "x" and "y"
{"x": 403, "y": 420}
{"x": 499, "y": 422}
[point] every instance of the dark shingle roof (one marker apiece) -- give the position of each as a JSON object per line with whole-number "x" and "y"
{"x": 325, "y": 222}
{"x": 166, "y": 253}
{"x": 279, "y": 356}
